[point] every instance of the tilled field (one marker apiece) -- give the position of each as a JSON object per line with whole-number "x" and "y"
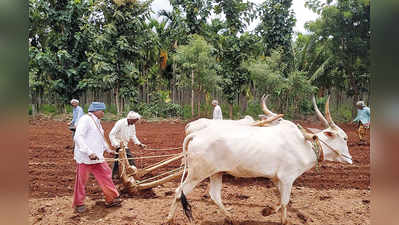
{"x": 337, "y": 194}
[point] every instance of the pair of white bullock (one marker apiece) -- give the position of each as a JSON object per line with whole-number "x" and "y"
{"x": 274, "y": 148}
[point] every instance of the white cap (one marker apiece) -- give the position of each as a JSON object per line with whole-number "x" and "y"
{"x": 133, "y": 115}
{"x": 360, "y": 103}
{"x": 215, "y": 102}
{"x": 74, "y": 100}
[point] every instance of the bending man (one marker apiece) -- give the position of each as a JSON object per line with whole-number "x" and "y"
{"x": 123, "y": 131}
{"x": 89, "y": 149}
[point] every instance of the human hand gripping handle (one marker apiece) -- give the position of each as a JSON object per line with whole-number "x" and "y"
{"x": 142, "y": 145}
{"x": 93, "y": 156}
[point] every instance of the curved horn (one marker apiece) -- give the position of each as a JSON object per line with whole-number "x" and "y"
{"x": 328, "y": 115}
{"x": 318, "y": 113}
{"x": 264, "y": 107}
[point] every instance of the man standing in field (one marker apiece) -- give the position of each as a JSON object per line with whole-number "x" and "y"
{"x": 90, "y": 145}
{"x": 217, "y": 111}
{"x": 123, "y": 131}
{"x": 363, "y": 120}
{"x": 76, "y": 114}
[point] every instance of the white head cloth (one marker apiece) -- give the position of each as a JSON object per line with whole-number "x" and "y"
{"x": 215, "y": 102}
{"x": 74, "y": 100}
{"x": 360, "y": 103}
{"x": 133, "y": 115}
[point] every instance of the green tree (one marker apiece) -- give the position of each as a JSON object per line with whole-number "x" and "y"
{"x": 196, "y": 13}
{"x": 120, "y": 35}
{"x": 275, "y": 28}
{"x": 197, "y": 68}
{"x": 231, "y": 46}
{"x": 291, "y": 91}
{"x": 57, "y": 47}
{"x": 345, "y": 24}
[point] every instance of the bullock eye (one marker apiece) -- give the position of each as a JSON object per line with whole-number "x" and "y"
{"x": 345, "y": 138}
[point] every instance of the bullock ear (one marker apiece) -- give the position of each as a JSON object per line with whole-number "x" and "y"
{"x": 329, "y": 134}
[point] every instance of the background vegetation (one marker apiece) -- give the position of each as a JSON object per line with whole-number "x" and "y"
{"x": 115, "y": 51}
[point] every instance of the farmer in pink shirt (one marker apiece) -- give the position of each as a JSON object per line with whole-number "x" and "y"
{"x": 90, "y": 145}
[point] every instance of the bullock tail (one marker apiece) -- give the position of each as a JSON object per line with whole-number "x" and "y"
{"x": 186, "y": 207}
{"x": 183, "y": 199}
{"x": 186, "y": 141}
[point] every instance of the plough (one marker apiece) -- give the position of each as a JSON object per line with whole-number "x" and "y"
{"x": 131, "y": 175}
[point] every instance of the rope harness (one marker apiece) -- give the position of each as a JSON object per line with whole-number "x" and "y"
{"x": 335, "y": 150}
{"x": 143, "y": 157}
{"x": 318, "y": 150}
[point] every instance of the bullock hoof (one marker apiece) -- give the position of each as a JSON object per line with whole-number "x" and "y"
{"x": 229, "y": 220}
{"x": 169, "y": 221}
{"x": 284, "y": 222}
{"x": 277, "y": 209}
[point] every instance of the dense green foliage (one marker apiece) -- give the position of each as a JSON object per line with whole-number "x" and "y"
{"x": 174, "y": 63}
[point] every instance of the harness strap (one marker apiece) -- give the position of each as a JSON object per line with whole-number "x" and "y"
{"x": 99, "y": 130}
{"x": 334, "y": 150}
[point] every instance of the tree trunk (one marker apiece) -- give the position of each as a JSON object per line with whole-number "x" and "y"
{"x": 192, "y": 93}
{"x": 117, "y": 99}
{"x": 34, "y": 110}
{"x": 231, "y": 110}
{"x": 199, "y": 101}
{"x": 356, "y": 91}
{"x": 173, "y": 82}
{"x": 244, "y": 102}
{"x": 122, "y": 105}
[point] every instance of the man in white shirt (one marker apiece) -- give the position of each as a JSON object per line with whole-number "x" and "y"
{"x": 76, "y": 114}
{"x": 90, "y": 145}
{"x": 217, "y": 111}
{"x": 123, "y": 131}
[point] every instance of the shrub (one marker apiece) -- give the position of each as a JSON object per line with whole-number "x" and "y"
{"x": 48, "y": 109}
{"x": 160, "y": 109}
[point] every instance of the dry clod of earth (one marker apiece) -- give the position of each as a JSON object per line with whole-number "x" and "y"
{"x": 267, "y": 211}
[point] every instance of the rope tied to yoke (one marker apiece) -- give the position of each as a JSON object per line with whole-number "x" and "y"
{"x": 143, "y": 157}
{"x": 162, "y": 149}
{"x": 160, "y": 175}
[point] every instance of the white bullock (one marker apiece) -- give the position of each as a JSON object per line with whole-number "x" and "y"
{"x": 204, "y": 123}
{"x": 268, "y": 118}
{"x": 281, "y": 153}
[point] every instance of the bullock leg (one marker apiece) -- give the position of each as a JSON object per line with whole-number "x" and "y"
{"x": 285, "y": 192}
{"x": 187, "y": 186}
{"x": 277, "y": 183}
{"x": 215, "y": 189}
{"x": 173, "y": 206}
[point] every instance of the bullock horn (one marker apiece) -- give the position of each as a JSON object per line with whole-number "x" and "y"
{"x": 308, "y": 136}
{"x": 328, "y": 114}
{"x": 264, "y": 107}
{"x": 318, "y": 113}
{"x": 267, "y": 121}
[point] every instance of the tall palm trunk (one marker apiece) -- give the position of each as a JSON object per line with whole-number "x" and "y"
{"x": 117, "y": 99}
{"x": 231, "y": 110}
{"x": 199, "y": 102}
{"x": 192, "y": 93}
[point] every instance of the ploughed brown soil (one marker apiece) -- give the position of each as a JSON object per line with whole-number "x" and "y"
{"x": 337, "y": 194}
